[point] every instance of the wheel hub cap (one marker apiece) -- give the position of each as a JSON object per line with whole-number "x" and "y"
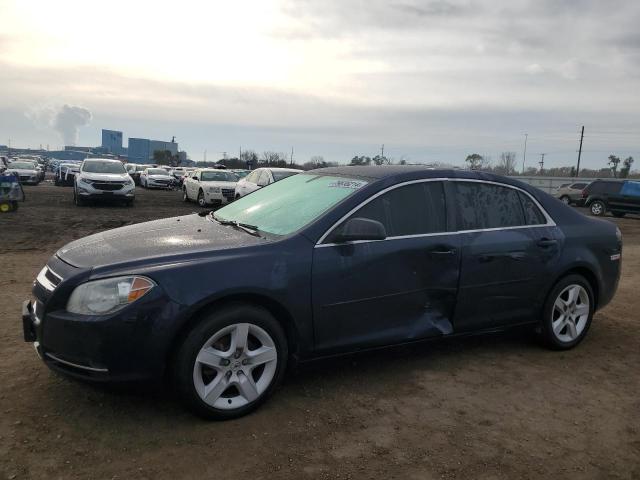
{"x": 235, "y": 366}
{"x": 570, "y": 313}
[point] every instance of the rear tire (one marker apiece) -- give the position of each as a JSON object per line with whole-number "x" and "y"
{"x": 567, "y": 313}
{"x": 598, "y": 208}
{"x": 230, "y": 362}
{"x": 565, "y": 199}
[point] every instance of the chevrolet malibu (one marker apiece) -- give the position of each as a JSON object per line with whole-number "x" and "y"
{"x": 321, "y": 263}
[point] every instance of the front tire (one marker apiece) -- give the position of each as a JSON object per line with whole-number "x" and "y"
{"x": 567, "y": 313}
{"x": 77, "y": 199}
{"x": 230, "y": 362}
{"x": 565, "y": 199}
{"x": 201, "y": 200}
{"x": 598, "y": 208}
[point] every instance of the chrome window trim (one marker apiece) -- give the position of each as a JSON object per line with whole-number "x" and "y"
{"x": 550, "y": 222}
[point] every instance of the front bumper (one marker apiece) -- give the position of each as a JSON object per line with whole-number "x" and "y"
{"x": 86, "y": 191}
{"x": 217, "y": 198}
{"x": 128, "y": 345}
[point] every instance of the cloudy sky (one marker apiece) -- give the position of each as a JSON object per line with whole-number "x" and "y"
{"x": 432, "y": 80}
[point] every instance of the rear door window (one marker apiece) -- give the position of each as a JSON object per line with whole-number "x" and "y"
{"x": 578, "y": 186}
{"x": 605, "y": 187}
{"x": 483, "y": 206}
{"x": 414, "y": 209}
{"x": 631, "y": 189}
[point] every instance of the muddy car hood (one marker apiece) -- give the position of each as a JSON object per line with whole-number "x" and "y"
{"x": 157, "y": 239}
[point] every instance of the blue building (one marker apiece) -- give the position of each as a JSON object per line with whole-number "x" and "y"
{"x": 141, "y": 150}
{"x": 112, "y": 141}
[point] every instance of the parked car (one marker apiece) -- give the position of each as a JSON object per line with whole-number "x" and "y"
{"x": 26, "y": 171}
{"x": 209, "y": 187}
{"x": 616, "y": 196}
{"x": 65, "y": 174}
{"x": 329, "y": 261}
{"x": 103, "y": 180}
{"x": 135, "y": 170}
{"x": 156, "y": 178}
{"x": 571, "y": 193}
{"x": 261, "y": 177}
{"x": 240, "y": 173}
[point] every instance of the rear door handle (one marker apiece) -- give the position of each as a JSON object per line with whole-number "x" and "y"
{"x": 546, "y": 242}
{"x": 443, "y": 251}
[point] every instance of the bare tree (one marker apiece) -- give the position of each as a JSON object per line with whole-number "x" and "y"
{"x": 317, "y": 160}
{"x": 506, "y": 164}
{"x": 273, "y": 159}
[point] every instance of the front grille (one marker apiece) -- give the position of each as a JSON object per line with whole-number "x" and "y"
{"x": 162, "y": 182}
{"x": 25, "y": 178}
{"x": 107, "y": 186}
{"x": 228, "y": 193}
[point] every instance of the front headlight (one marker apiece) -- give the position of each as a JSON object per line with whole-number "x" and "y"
{"x": 214, "y": 189}
{"x": 107, "y": 296}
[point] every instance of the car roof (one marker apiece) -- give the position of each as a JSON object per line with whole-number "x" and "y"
{"x": 102, "y": 160}
{"x": 280, "y": 169}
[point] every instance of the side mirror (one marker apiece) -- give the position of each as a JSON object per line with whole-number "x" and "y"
{"x": 361, "y": 229}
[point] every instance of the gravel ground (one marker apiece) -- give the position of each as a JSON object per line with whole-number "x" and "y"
{"x": 493, "y": 406}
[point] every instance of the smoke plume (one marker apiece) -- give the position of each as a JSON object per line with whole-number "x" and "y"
{"x": 68, "y": 120}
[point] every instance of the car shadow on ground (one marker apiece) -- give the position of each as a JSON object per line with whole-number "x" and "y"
{"x": 155, "y": 401}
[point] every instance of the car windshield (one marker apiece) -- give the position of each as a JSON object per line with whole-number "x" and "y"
{"x": 22, "y": 165}
{"x": 241, "y": 173}
{"x": 157, "y": 171}
{"x": 103, "y": 167}
{"x": 280, "y": 174}
{"x": 218, "y": 177}
{"x": 141, "y": 168}
{"x": 287, "y": 206}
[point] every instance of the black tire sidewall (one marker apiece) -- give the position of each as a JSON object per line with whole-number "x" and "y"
{"x": 184, "y": 359}
{"x": 548, "y": 336}
{"x": 202, "y": 203}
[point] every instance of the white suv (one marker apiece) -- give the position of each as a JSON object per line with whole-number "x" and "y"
{"x": 209, "y": 186}
{"x": 103, "y": 179}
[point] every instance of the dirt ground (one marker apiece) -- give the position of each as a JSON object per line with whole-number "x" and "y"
{"x": 495, "y": 406}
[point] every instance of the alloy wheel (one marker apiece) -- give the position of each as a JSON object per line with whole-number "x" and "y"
{"x": 235, "y": 366}
{"x": 597, "y": 208}
{"x": 570, "y": 313}
{"x": 201, "y": 201}
{"x": 565, "y": 200}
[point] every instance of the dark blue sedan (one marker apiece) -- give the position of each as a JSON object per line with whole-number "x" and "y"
{"x": 325, "y": 262}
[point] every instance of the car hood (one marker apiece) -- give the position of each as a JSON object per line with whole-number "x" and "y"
{"x": 160, "y": 177}
{"x": 213, "y": 183}
{"x": 160, "y": 239}
{"x": 101, "y": 177}
{"x": 22, "y": 171}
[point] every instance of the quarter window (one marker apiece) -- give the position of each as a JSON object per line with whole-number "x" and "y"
{"x": 532, "y": 214}
{"x": 482, "y": 205}
{"x": 414, "y": 209}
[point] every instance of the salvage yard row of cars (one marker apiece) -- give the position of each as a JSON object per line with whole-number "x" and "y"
{"x": 324, "y": 262}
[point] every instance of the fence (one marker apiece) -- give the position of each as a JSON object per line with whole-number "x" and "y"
{"x": 550, "y": 184}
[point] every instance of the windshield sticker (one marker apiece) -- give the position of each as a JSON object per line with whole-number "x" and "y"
{"x": 353, "y": 184}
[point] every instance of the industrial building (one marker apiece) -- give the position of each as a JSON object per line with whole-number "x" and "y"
{"x": 112, "y": 142}
{"x": 141, "y": 149}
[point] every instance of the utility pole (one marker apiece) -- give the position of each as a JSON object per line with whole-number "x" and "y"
{"x": 291, "y": 156}
{"x": 524, "y": 157}
{"x": 580, "y": 152}
{"x": 541, "y": 163}
{"x": 382, "y": 151}
{"x": 240, "y": 154}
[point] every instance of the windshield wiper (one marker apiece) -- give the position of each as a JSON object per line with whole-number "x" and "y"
{"x": 250, "y": 229}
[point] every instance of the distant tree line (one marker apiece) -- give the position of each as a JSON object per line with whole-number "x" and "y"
{"x": 506, "y": 164}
